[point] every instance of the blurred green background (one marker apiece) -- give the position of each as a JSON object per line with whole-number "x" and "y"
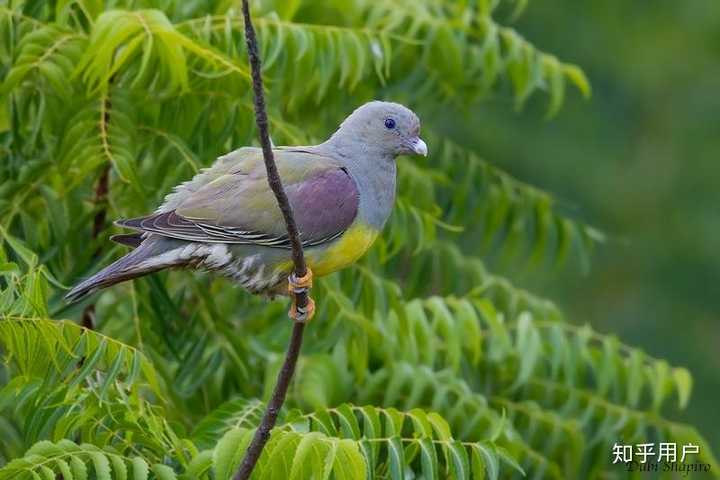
{"x": 641, "y": 161}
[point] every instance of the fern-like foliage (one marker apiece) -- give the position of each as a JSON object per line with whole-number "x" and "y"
{"x": 77, "y": 462}
{"x": 424, "y": 362}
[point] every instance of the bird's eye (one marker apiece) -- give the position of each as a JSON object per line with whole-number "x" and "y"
{"x": 389, "y": 123}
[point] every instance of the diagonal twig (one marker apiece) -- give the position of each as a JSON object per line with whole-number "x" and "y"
{"x": 101, "y": 193}
{"x": 262, "y": 434}
{"x": 102, "y": 189}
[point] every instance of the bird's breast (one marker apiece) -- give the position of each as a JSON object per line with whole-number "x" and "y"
{"x": 344, "y": 251}
{"x": 377, "y": 193}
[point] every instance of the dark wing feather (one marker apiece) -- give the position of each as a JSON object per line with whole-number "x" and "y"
{"x": 130, "y": 239}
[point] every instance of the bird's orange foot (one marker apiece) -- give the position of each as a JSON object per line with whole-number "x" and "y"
{"x": 302, "y": 315}
{"x": 300, "y": 284}
{"x": 297, "y": 285}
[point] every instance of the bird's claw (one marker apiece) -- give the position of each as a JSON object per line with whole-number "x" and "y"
{"x": 302, "y": 315}
{"x": 298, "y": 285}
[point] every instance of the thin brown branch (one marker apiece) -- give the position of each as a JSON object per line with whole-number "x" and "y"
{"x": 262, "y": 434}
{"x": 262, "y": 123}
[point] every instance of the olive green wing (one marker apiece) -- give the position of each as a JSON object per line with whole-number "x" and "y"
{"x": 237, "y": 206}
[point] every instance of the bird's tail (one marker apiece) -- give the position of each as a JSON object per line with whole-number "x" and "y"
{"x": 150, "y": 256}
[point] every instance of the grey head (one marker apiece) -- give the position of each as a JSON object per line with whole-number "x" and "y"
{"x": 367, "y": 143}
{"x": 380, "y": 129}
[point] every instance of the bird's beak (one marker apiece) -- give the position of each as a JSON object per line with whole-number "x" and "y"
{"x": 420, "y": 147}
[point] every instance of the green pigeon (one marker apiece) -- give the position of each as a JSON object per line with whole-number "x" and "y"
{"x": 226, "y": 219}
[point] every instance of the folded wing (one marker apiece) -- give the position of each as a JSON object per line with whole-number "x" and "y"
{"x": 239, "y": 207}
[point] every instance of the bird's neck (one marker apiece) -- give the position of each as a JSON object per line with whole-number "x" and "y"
{"x": 375, "y": 172}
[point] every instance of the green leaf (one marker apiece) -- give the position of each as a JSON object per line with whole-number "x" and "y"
{"x": 396, "y": 458}
{"x": 101, "y": 464}
{"x": 163, "y": 472}
{"x": 458, "y": 462}
{"x": 229, "y": 452}
{"x": 19, "y": 247}
{"x": 683, "y": 382}
{"x": 485, "y": 460}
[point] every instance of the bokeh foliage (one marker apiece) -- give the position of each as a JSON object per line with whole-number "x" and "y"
{"x": 640, "y": 159}
{"x": 421, "y": 363}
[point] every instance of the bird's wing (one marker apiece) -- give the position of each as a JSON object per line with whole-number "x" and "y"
{"x": 239, "y": 207}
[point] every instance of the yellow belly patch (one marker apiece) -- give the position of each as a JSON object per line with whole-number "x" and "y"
{"x": 348, "y": 248}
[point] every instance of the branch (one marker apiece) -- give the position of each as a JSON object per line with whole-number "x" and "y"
{"x": 101, "y": 192}
{"x": 262, "y": 434}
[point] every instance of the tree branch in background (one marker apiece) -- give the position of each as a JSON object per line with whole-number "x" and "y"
{"x": 262, "y": 434}
{"x": 101, "y": 192}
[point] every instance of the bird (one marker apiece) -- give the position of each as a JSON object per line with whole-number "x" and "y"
{"x": 226, "y": 220}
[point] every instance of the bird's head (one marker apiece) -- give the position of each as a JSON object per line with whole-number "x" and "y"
{"x": 388, "y": 127}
